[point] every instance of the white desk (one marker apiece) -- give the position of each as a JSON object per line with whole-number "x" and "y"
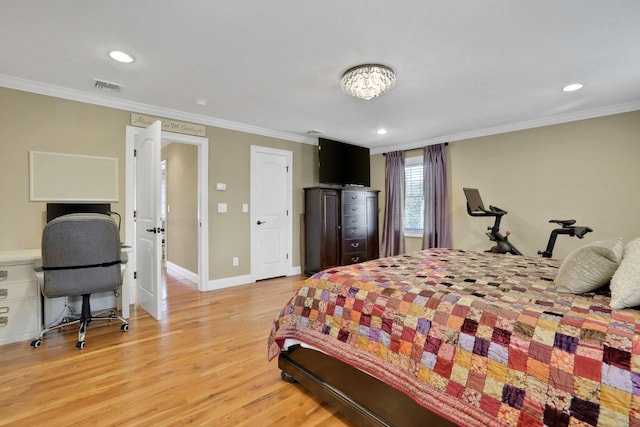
{"x": 20, "y": 303}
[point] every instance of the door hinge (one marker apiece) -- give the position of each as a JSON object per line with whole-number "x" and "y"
{"x": 135, "y": 215}
{"x": 287, "y": 256}
{"x": 287, "y": 212}
{"x": 135, "y": 152}
{"x": 135, "y": 274}
{"x": 287, "y": 168}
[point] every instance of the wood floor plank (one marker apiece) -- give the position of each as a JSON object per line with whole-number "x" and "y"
{"x": 204, "y": 364}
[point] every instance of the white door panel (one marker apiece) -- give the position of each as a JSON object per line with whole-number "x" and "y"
{"x": 271, "y": 172}
{"x": 148, "y": 226}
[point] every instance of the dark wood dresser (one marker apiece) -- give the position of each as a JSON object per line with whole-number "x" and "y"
{"x": 341, "y": 227}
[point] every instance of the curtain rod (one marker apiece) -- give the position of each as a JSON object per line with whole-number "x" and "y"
{"x": 445, "y": 144}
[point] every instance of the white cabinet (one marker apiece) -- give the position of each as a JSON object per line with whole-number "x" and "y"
{"x": 20, "y": 317}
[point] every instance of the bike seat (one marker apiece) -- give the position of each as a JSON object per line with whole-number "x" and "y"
{"x": 563, "y": 222}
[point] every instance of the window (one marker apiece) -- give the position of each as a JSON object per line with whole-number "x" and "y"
{"x": 413, "y": 197}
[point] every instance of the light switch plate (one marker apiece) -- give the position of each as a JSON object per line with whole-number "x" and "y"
{"x": 222, "y": 207}
{"x": 245, "y": 207}
{"x": 221, "y": 186}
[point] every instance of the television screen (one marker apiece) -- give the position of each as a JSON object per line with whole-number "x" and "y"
{"x": 55, "y": 210}
{"x": 343, "y": 164}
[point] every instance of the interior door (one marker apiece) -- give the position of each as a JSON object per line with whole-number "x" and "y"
{"x": 147, "y": 223}
{"x": 271, "y": 198}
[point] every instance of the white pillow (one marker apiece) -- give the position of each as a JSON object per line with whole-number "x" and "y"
{"x": 625, "y": 283}
{"x": 590, "y": 266}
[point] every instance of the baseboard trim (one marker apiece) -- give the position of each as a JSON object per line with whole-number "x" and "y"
{"x": 229, "y": 282}
{"x": 176, "y": 269}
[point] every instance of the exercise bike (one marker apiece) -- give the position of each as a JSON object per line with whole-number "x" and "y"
{"x": 475, "y": 207}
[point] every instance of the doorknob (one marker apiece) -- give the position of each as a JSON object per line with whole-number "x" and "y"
{"x": 155, "y": 230}
{"x": 261, "y": 222}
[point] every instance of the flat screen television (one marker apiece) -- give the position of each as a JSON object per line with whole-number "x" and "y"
{"x": 343, "y": 164}
{"x": 55, "y": 210}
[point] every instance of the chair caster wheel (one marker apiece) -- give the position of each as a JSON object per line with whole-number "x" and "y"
{"x": 80, "y": 345}
{"x": 125, "y": 327}
{"x": 36, "y": 343}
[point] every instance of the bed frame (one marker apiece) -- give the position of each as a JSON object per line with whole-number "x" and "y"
{"x": 360, "y": 397}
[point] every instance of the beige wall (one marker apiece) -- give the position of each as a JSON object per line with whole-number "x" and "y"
{"x": 43, "y": 123}
{"x": 181, "y": 226}
{"x": 36, "y": 122}
{"x": 587, "y": 170}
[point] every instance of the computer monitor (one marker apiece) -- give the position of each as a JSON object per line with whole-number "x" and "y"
{"x": 55, "y": 210}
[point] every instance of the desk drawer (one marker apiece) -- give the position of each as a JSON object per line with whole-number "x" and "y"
{"x": 18, "y": 318}
{"x": 17, "y": 290}
{"x": 16, "y": 273}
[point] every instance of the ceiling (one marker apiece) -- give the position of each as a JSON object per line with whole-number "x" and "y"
{"x": 464, "y": 68}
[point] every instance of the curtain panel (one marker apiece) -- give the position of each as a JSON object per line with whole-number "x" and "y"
{"x": 393, "y": 225}
{"x": 437, "y": 232}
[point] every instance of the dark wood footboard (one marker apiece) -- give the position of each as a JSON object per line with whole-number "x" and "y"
{"x": 360, "y": 397}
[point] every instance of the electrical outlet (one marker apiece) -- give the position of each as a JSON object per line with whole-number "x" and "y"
{"x": 235, "y": 261}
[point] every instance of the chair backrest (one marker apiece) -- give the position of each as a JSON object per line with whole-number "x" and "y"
{"x": 81, "y": 255}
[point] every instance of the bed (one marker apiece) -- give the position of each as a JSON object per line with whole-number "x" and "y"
{"x": 451, "y": 337}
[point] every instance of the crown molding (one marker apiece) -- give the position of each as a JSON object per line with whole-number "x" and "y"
{"x": 138, "y": 107}
{"x": 105, "y": 101}
{"x": 512, "y": 127}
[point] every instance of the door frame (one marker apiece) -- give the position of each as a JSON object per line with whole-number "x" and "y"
{"x": 253, "y": 219}
{"x": 203, "y": 199}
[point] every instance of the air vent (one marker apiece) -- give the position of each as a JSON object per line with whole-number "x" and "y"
{"x": 108, "y": 86}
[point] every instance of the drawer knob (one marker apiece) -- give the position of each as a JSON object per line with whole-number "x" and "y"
{"x": 355, "y": 258}
{"x": 4, "y": 274}
{"x": 4, "y": 310}
{"x": 355, "y": 245}
{"x": 4, "y": 293}
{"x": 4, "y": 321}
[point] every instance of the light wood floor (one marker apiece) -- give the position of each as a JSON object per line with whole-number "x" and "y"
{"x": 205, "y": 364}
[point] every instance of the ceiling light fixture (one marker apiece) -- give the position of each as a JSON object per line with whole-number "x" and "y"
{"x": 381, "y": 131}
{"x": 368, "y": 81}
{"x": 572, "y": 87}
{"x": 121, "y": 56}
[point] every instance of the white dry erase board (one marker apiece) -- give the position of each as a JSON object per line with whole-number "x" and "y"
{"x": 57, "y": 177}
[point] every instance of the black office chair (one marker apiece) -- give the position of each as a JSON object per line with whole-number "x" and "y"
{"x": 81, "y": 255}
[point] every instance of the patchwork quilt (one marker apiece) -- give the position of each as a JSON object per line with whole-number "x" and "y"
{"x": 482, "y": 339}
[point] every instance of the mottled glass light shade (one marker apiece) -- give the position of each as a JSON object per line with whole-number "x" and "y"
{"x": 368, "y": 81}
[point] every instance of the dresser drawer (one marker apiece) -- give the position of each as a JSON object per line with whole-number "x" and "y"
{"x": 18, "y": 318}
{"x": 350, "y": 220}
{"x": 354, "y": 245}
{"x": 350, "y": 232}
{"x": 351, "y": 209}
{"x": 353, "y": 258}
{"x": 353, "y": 198}
{"x": 16, "y": 273}
{"x": 17, "y": 290}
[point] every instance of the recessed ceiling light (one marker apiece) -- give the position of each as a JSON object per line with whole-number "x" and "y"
{"x": 381, "y": 131}
{"x": 121, "y": 56}
{"x": 572, "y": 87}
